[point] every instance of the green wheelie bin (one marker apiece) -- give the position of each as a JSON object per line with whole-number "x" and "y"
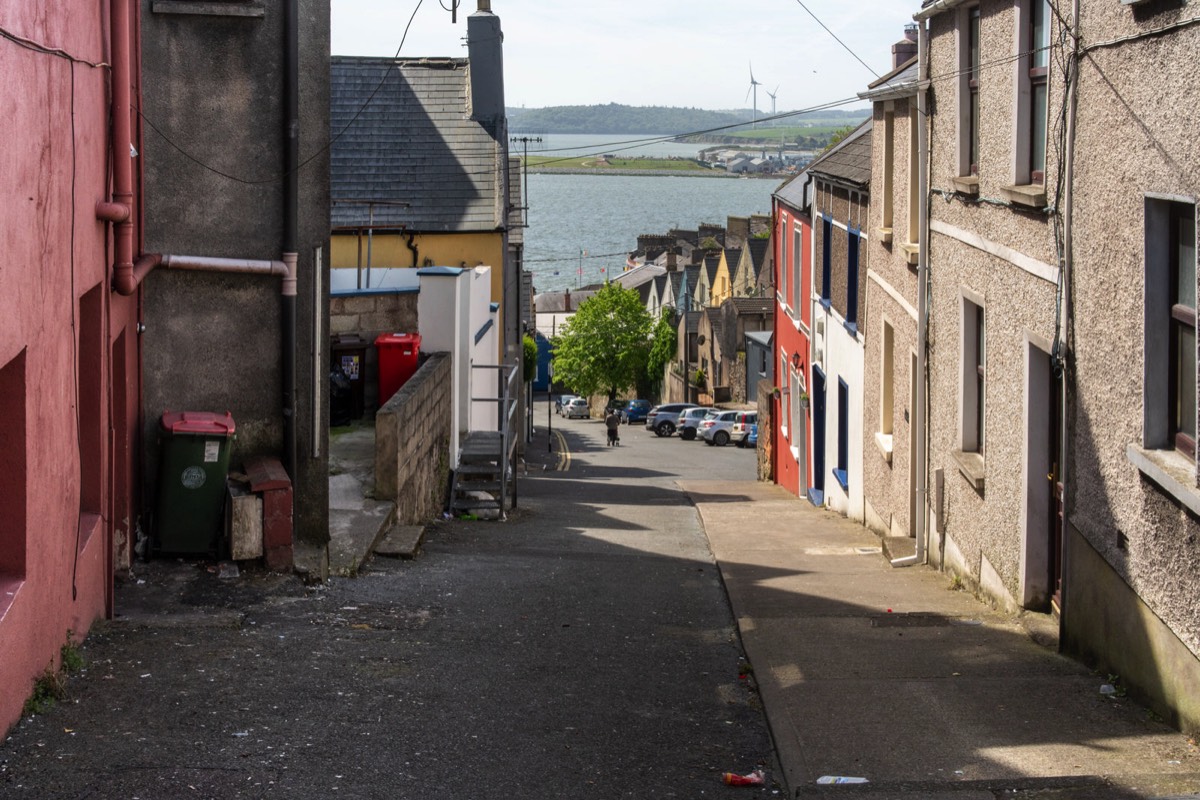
{"x": 190, "y": 511}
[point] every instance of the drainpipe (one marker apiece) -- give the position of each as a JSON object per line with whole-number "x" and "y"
{"x": 1067, "y": 268}
{"x": 291, "y": 218}
{"x": 919, "y": 416}
{"x": 120, "y": 210}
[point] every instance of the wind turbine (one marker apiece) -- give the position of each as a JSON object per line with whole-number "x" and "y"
{"x": 753, "y": 88}
{"x": 772, "y": 96}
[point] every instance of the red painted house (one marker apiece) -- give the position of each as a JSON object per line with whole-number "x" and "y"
{"x": 792, "y": 425}
{"x": 69, "y": 352}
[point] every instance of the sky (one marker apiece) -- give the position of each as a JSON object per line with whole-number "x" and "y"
{"x": 690, "y": 53}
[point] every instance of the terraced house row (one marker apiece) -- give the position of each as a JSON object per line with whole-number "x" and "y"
{"x": 985, "y": 341}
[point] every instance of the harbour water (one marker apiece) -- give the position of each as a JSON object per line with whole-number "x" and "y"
{"x": 582, "y": 226}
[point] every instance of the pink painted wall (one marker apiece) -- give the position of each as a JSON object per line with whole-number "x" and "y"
{"x": 57, "y": 325}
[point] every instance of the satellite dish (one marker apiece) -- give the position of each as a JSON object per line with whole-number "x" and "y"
{"x": 700, "y": 339}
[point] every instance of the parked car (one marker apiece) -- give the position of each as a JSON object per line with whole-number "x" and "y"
{"x": 726, "y": 427}
{"x": 751, "y": 439}
{"x": 689, "y": 421}
{"x": 635, "y": 411}
{"x": 665, "y": 418}
{"x": 561, "y": 401}
{"x": 615, "y": 405}
{"x": 741, "y": 428}
{"x": 577, "y": 407}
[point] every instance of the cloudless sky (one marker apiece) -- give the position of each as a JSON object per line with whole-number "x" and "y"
{"x": 693, "y": 53}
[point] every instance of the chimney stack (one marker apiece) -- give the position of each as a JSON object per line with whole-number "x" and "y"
{"x": 485, "y": 51}
{"x": 906, "y": 48}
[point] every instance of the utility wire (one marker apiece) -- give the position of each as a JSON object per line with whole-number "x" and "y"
{"x": 836, "y": 39}
{"x": 387, "y": 73}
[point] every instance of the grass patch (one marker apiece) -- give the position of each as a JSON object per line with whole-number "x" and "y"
{"x": 51, "y": 687}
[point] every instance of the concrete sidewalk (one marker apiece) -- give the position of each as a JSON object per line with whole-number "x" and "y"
{"x": 890, "y": 675}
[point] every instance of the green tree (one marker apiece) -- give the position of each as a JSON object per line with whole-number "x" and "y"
{"x": 605, "y": 345}
{"x": 663, "y": 344}
{"x": 838, "y": 135}
{"x": 529, "y": 357}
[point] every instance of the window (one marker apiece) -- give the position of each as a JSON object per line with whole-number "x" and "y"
{"x": 1182, "y": 391}
{"x": 889, "y": 169}
{"x": 968, "y": 111}
{"x": 784, "y": 266}
{"x": 914, "y": 173}
{"x": 1169, "y": 386}
{"x": 13, "y": 479}
{"x": 798, "y": 260}
{"x": 826, "y": 258}
{"x": 843, "y": 435}
{"x": 886, "y": 379}
{"x": 1039, "y": 67}
{"x": 974, "y": 363}
{"x": 973, "y": 86}
{"x": 853, "y": 238}
{"x": 786, "y": 411}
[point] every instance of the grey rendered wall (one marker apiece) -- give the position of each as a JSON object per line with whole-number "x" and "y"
{"x": 983, "y": 533}
{"x": 886, "y": 484}
{"x": 213, "y": 92}
{"x": 1134, "y": 538}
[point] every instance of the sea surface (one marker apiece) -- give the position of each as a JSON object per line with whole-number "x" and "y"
{"x": 581, "y": 227}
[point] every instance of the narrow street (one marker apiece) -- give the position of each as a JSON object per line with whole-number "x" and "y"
{"x": 587, "y": 647}
{"x": 584, "y": 648}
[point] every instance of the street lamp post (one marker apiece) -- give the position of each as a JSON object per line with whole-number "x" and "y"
{"x": 549, "y": 406}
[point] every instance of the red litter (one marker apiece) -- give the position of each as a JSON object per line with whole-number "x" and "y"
{"x": 756, "y": 778}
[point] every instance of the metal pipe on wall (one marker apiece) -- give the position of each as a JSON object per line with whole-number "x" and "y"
{"x": 920, "y": 417}
{"x": 291, "y": 223}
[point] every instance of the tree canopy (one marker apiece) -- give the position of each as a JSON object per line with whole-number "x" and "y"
{"x": 662, "y": 349}
{"x": 604, "y": 347}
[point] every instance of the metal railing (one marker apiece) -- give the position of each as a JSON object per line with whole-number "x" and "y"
{"x": 506, "y": 400}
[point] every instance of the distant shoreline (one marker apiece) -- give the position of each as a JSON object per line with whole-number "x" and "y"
{"x": 652, "y": 173}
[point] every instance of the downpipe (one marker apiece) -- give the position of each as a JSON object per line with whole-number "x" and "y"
{"x": 921, "y": 418}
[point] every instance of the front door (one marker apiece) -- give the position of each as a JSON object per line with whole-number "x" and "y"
{"x": 817, "y": 495}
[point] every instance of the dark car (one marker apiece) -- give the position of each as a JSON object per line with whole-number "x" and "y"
{"x": 615, "y": 405}
{"x": 665, "y": 418}
{"x": 635, "y": 411}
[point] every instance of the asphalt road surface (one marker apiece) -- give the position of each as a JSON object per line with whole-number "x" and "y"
{"x": 582, "y": 648}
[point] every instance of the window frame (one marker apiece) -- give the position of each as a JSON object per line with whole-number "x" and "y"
{"x": 784, "y": 265}
{"x": 1181, "y": 320}
{"x": 826, "y": 258}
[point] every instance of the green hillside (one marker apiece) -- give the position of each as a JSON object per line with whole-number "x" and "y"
{"x": 615, "y": 118}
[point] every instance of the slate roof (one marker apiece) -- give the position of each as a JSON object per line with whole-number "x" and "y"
{"x": 404, "y": 140}
{"x": 692, "y": 321}
{"x": 758, "y": 254}
{"x": 791, "y": 191}
{"x": 732, "y": 256}
{"x": 900, "y": 82}
{"x": 753, "y": 305}
{"x": 850, "y": 159}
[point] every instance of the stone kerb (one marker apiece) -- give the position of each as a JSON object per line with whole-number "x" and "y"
{"x": 412, "y": 437}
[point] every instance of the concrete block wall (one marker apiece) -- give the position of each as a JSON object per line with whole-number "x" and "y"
{"x": 373, "y": 313}
{"x": 412, "y": 441}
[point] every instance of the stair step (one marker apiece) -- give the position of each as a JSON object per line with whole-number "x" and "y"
{"x": 469, "y": 504}
{"x": 477, "y": 469}
{"x": 478, "y": 486}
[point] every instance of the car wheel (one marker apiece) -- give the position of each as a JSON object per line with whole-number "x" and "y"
{"x": 665, "y": 429}
{"x": 709, "y": 442}
{"x": 720, "y": 438}
{"x": 687, "y": 434}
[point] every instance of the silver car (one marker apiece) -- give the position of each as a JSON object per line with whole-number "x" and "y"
{"x": 689, "y": 421}
{"x": 578, "y": 407}
{"x": 727, "y": 426}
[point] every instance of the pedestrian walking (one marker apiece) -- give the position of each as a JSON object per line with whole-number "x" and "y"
{"x": 613, "y": 423}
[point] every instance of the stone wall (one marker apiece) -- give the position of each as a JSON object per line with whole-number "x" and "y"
{"x": 765, "y": 427}
{"x": 412, "y": 443}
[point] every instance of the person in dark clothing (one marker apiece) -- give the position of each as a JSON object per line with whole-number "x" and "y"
{"x": 613, "y": 423}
